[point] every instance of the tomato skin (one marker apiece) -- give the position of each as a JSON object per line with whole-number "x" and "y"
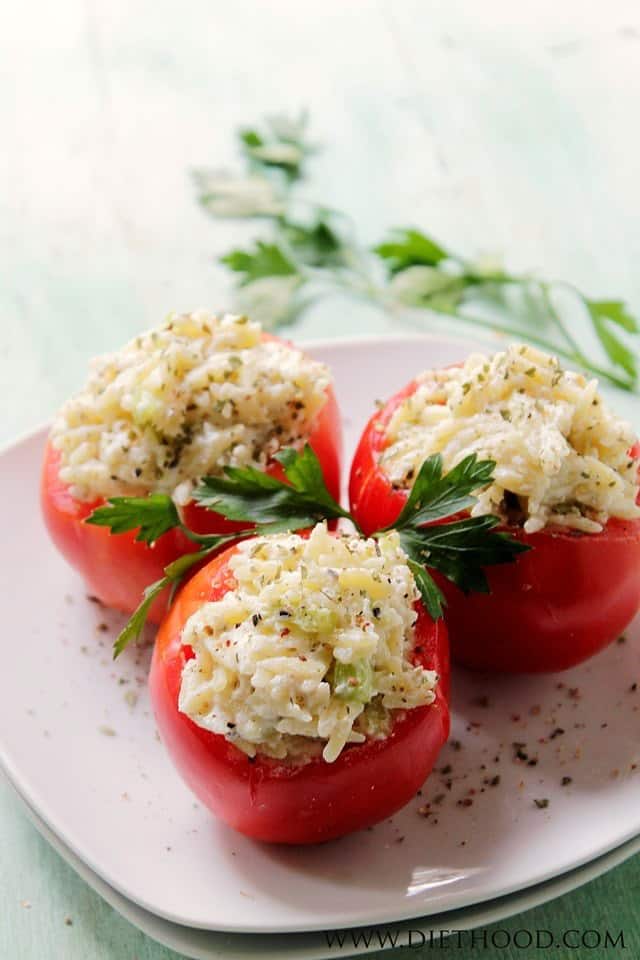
{"x": 303, "y": 803}
{"x": 116, "y": 569}
{"x": 556, "y": 606}
{"x": 559, "y": 604}
{"x": 374, "y": 502}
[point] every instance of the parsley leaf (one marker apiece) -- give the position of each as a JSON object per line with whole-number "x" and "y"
{"x": 281, "y": 146}
{"x": 152, "y": 515}
{"x": 614, "y": 311}
{"x": 250, "y": 495}
{"x": 250, "y": 138}
{"x": 408, "y": 248}
{"x": 430, "y": 593}
{"x": 246, "y": 494}
{"x": 421, "y": 286}
{"x": 135, "y": 625}
{"x": 460, "y": 549}
{"x": 223, "y": 195}
{"x": 434, "y": 496}
{"x": 304, "y": 473}
{"x": 174, "y": 574}
{"x": 265, "y": 260}
{"x": 317, "y": 245}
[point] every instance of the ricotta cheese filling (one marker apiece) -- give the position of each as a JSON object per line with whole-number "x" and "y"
{"x": 183, "y": 401}
{"x": 311, "y": 650}
{"x": 562, "y": 457}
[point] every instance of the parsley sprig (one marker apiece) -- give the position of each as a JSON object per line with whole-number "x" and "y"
{"x": 251, "y": 495}
{"x": 152, "y": 517}
{"x": 310, "y": 251}
{"x": 461, "y": 548}
{"x": 458, "y": 549}
{"x": 174, "y": 574}
{"x": 270, "y": 505}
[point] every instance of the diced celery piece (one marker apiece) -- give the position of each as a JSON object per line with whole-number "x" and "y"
{"x": 353, "y": 681}
{"x": 319, "y": 620}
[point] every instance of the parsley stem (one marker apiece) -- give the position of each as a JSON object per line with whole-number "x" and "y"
{"x": 206, "y": 539}
{"x": 573, "y": 356}
{"x": 356, "y": 279}
{"x": 315, "y": 246}
{"x": 562, "y": 327}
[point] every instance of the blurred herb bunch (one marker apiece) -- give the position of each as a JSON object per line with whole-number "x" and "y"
{"x": 309, "y": 251}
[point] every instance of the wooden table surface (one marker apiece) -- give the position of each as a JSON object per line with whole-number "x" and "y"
{"x": 497, "y": 126}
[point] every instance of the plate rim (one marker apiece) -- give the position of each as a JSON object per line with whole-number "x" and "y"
{"x": 392, "y": 917}
{"x": 170, "y": 934}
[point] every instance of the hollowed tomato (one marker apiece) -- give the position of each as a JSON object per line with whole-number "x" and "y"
{"x": 116, "y": 569}
{"x": 296, "y": 802}
{"x": 567, "y": 598}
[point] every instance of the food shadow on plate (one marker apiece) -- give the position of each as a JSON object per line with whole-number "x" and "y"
{"x": 423, "y": 846}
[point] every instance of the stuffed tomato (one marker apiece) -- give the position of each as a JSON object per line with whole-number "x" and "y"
{"x": 178, "y": 403}
{"x": 300, "y": 687}
{"x": 565, "y": 483}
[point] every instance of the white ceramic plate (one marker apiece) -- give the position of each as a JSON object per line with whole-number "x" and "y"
{"x": 209, "y": 945}
{"x": 78, "y": 741}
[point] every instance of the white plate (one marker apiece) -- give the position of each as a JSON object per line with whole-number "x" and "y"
{"x": 209, "y": 945}
{"x": 78, "y": 741}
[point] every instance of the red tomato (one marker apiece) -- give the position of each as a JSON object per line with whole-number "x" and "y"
{"x": 299, "y": 802}
{"x": 116, "y": 568}
{"x": 557, "y": 605}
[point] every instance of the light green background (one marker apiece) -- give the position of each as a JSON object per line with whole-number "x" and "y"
{"x": 498, "y": 126}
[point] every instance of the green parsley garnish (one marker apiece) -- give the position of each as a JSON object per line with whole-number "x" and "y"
{"x": 309, "y": 251}
{"x": 459, "y": 549}
{"x": 245, "y": 493}
{"x": 151, "y": 516}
